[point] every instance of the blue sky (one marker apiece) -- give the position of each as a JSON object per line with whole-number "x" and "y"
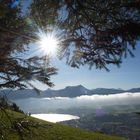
{"x": 126, "y": 77}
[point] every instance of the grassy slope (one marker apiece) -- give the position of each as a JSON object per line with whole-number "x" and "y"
{"x": 46, "y": 131}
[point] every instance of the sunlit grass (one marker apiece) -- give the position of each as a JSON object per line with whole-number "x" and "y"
{"x": 47, "y": 131}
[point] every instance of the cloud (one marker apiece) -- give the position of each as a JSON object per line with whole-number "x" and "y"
{"x": 112, "y": 99}
{"x": 94, "y": 101}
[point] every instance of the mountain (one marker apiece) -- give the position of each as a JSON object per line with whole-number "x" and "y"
{"x": 69, "y": 91}
{"x": 19, "y": 94}
{"x": 105, "y": 91}
{"x": 134, "y": 90}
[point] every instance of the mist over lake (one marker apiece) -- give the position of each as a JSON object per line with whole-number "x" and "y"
{"x": 45, "y": 105}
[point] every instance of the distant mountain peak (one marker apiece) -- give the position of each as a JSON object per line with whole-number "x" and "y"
{"x": 69, "y": 91}
{"x": 77, "y": 86}
{"x": 80, "y": 86}
{"x": 49, "y": 89}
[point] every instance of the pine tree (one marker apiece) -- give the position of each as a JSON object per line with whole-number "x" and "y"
{"x": 102, "y": 32}
{"x": 17, "y": 69}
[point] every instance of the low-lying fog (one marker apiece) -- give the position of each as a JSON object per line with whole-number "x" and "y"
{"x": 44, "y": 105}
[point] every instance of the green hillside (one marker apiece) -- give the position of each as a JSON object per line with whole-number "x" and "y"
{"x": 15, "y": 126}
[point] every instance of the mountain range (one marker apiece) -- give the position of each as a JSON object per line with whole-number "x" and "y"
{"x": 69, "y": 91}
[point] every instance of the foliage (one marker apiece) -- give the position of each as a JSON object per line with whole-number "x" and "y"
{"x": 44, "y": 13}
{"x": 16, "y": 65}
{"x": 96, "y": 32}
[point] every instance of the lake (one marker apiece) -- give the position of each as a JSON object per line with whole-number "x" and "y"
{"x": 55, "y": 117}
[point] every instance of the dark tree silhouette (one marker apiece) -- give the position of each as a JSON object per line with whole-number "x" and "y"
{"x": 16, "y": 68}
{"x": 96, "y": 32}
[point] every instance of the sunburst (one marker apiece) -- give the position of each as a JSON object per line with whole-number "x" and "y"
{"x": 48, "y": 43}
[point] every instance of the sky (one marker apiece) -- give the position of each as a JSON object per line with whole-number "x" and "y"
{"x": 126, "y": 77}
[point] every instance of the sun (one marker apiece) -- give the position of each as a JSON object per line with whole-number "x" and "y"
{"x": 48, "y": 43}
